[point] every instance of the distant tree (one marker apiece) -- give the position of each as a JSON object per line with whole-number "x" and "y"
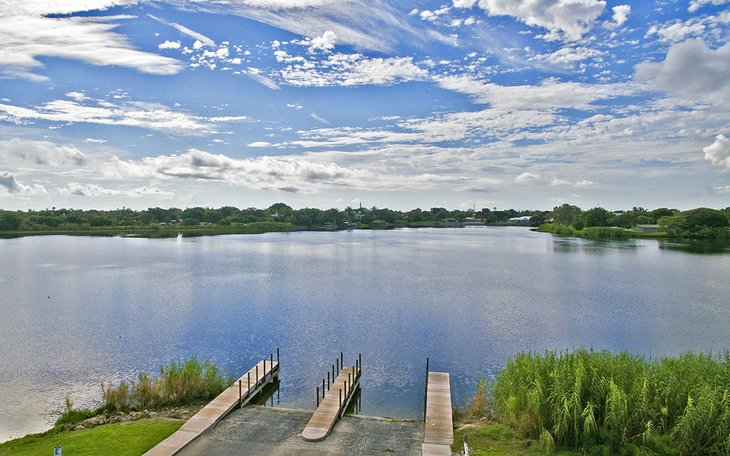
{"x": 697, "y": 223}
{"x": 596, "y": 216}
{"x": 566, "y": 214}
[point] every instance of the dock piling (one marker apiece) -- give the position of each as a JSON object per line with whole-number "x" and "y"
{"x": 318, "y": 396}
{"x": 240, "y": 394}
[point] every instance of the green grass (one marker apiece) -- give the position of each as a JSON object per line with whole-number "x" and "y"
{"x": 494, "y": 439}
{"x": 120, "y": 439}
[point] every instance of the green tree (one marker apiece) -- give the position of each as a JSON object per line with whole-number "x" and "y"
{"x": 565, "y": 214}
{"x": 596, "y": 216}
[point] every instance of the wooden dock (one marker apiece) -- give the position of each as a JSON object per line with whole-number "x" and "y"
{"x": 238, "y": 394}
{"x": 439, "y": 433}
{"x": 334, "y": 402}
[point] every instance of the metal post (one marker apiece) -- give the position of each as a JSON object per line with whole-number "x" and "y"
{"x": 318, "y": 397}
{"x": 240, "y": 394}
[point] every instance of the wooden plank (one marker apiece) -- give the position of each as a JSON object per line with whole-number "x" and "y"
{"x": 216, "y": 409}
{"x": 431, "y": 449}
{"x": 330, "y": 409}
{"x": 439, "y": 421}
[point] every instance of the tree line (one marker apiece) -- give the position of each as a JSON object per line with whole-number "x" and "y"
{"x": 564, "y": 219}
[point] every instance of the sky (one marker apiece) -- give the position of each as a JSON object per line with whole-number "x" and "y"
{"x": 524, "y": 104}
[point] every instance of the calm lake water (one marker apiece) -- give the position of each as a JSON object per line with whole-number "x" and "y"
{"x": 77, "y": 311}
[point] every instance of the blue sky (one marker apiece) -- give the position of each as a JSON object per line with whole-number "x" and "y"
{"x": 329, "y": 103}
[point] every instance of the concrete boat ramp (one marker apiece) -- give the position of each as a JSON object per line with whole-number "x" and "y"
{"x": 229, "y": 426}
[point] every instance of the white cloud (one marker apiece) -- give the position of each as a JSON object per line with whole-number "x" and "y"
{"x": 569, "y": 55}
{"x": 95, "y": 140}
{"x": 318, "y": 118}
{"x": 169, "y": 45}
{"x": 326, "y": 42}
{"x": 131, "y": 113}
{"x": 568, "y": 19}
{"x": 678, "y": 31}
{"x": 691, "y": 68}
{"x": 694, "y": 5}
{"x": 584, "y": 183}
{"x": 719, "y": 152}
{"x": 27, "y": 34}
{"x": 259, "y": 144}
{"x": 350, "y": 70}
{"x": 199, "y": 37}
{"x": 367, "y": 24}
{"x": 296, "y": 106}
{"x": 557, "y": 182}
{"x": 256, "y": 75}
{"x": 722, "y": 189}
{"x": 9, "y": 185}
{"x": 93, "y": 190}
{"x": 526, "y": 177}
{"x": 621, "y": 14}
{"x": 39, "y": 153}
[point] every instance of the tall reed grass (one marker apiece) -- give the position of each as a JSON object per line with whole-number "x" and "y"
{"x": 584, "y": 398}
{"x": 180, "y": 383}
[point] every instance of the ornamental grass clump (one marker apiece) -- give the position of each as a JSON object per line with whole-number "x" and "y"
{"x": 584, "y": 398}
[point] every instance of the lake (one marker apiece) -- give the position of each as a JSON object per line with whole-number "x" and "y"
{"x": 78, "y": 311}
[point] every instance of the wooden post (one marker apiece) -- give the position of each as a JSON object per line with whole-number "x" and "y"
{"x": 359, "y": 357}
{"x": 257, "y": 374}
{"x": 333, "y": 373}
{"x": 323, "y": 390}
{"x": 341, "y": 361}
{"x": 349, "y": 382}
{"x": 328, "y": 380}
{"x": 264, "y": 367}
{"x": 271, "y": 363}
{"x": 248, "y": 391}
{"x": 240, "y": 395}
{"x": 277, "y": 356}
{"x": 340, "y": 391}
{"x": 318, "y": 397}
{"x": 425, "y": 392}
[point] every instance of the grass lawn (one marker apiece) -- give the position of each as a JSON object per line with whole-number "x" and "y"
{"x": 498, "y": 440}
{"x": 120, "y": 439}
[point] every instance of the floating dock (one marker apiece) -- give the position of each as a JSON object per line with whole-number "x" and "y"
{"x": 236, "y": 395}
{"x": 439, "y": 433}
{"x": 336, "y": 396}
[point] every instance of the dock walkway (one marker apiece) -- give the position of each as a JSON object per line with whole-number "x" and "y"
{"x": 333, "y": 405}
{"x": 439, "y": 433}
{"x": 237, "y": 394}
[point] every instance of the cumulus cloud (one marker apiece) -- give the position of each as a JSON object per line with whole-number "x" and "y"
{"x": 719, "y": 152}
{"x": 326, "y": 42}
{"x": 9, "y": 185}
{"x": 620, "y": 14}
{"x": 40, "y": 153}
{"x": 690, "y": 68}
{"x": 258, "y": 76}
{"x": 93, "y": 190}
{"x": 259, "y": 144}
{"x": 568, "y": 19}
{"x": 169, "y": 45}
{"x": 27, "y": 34}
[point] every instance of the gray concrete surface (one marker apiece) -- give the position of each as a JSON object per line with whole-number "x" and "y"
{"x": 265, "y": 431}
